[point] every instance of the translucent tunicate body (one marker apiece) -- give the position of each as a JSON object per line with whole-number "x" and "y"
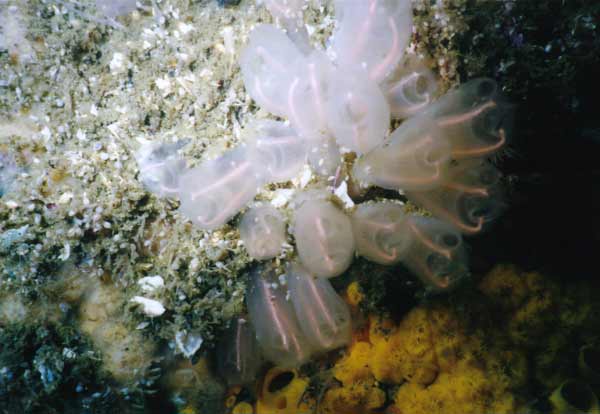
{"x": 307, "y": 97}
{"x": 411, "y": 89}
{"x": 218, "y": 189}
{"x": 473, "y": 118}
{"x": 415, "y": 157}
{"x": 372, "y": 34}
{"x": 277, "y": 152}
{"x": 470, "y": 199}
{"x": 263, "y": 231}
{"x": 160, "y": 167}
{"x": 277, "y": 329}
{"x": 238, "y": 355}
{"x": 324, "y": 238}
{"x": 380, "y": 232}
{"x": 268, "y": 66}
{"x": 289, "y": 15}
{"x": 357, "y": 112}
{"x": 436, "y": 254}
{"x": 323, "y": 316}
{"x": 115, "y": 8}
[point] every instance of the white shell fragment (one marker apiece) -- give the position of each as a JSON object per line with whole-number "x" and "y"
{"x": 151, "y": 283}
{"x": 381, "y": 232}
{"x": 323, "y": 238}
{"x": 323, "y": 315}
{"x": 188, "y": 343}
{"x": 218, "y": 189}
{"x": 263, "y": 231}
{"x": 277, "y": 329}
{"x": 150, "y": 307}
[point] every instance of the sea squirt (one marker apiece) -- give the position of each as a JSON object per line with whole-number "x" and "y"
{"x": 218, "y": 189}
{"x": 323, "y": 315}
{"x": 380, "y": 232}
{"x": 278, "y": 331}
{"x": 471, "y": 199}
{"x": 275, "y": 150}
{"x": 324, "y": 238}
{"x": 437, "y": 254}
{"x": 238, "y": 354}
{"x": 263, "y": 231}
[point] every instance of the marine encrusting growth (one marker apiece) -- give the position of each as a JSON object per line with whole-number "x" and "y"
{"x": 342, "y": 101}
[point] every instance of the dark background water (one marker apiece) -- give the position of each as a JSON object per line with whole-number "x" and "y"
{"x": 546, "y": 55}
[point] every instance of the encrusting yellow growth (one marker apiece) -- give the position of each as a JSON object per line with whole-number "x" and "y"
{"x": 442, "y": 369}
{"x": 286, "y": 399}
{"x": 243, "y": 408}
{"x": 439, "y": 359}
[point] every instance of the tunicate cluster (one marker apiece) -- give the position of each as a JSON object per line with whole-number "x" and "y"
{"x": 338, "y": 102}
{"x": 294, "y": 317}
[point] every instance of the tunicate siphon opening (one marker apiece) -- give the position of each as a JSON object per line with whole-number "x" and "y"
{"x": 450, "y": 240}
{"x": 438, "y": 264}
{"x": 577, "y": 394}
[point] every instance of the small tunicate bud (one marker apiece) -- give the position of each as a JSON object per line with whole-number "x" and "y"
{"x": 218, "y": 189}
{"x": 276, "y": 150}
{"x": 436, "y": 254}
{"x": 324, "y": 317}
{"x": 323, "y": 238}
{"x": 268, "y": 67}
{"x": 358, "y": 114}
{"x": 238, "y": 354}
{"x": 160, "y": 167}
{"x": 471, "y": 199}
{"x": 372, "y": 34}
{"x": 415, "y": 157}
{"x": 380, "y": 232}
{"x": 263, "y": 231}
{"x": 277, "y": 329}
